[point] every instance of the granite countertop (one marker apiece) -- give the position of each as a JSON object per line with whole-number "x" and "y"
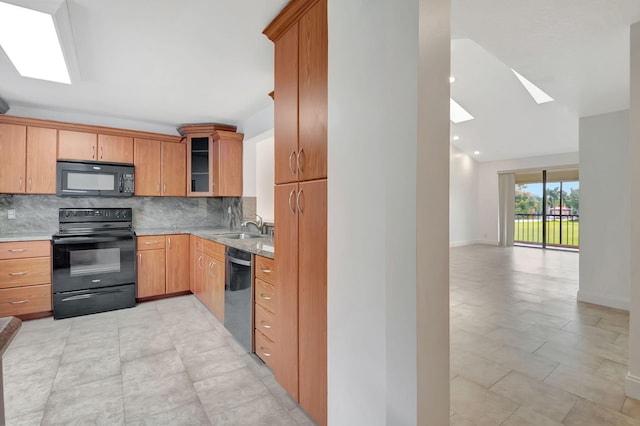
{"x": 25, "y": 236}
{"x": 9, "y": 327}
{"x": 262, "y": 246}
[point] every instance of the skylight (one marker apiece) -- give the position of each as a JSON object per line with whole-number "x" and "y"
{"x": 536, "y": 93}
{"x": 457, "y": 114}
{"x": 29, "y": 39}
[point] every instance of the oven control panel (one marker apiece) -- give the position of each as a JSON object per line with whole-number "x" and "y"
{"x": 67, "y": 215}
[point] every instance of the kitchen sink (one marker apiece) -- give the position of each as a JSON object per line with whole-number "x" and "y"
{"x": 241, "y": 236}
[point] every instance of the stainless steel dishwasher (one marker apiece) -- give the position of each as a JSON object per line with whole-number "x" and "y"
{"x": 238, "y": 297}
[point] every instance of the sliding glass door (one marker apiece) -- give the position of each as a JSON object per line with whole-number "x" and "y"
{"x": 547, "y": 208}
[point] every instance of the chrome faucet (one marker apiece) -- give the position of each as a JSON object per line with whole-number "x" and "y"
{"x": 258, "y": 223}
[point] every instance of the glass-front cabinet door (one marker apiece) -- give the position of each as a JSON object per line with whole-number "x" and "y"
{"x": 199, "y": 167}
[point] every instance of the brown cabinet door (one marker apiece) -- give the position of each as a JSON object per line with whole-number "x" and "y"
{"x": 174, "y": 169}
{"x": 115, "y": 149}
{"x": 151, "y": 273}
{"x": 312, "y": 97}
{"x": 177, "y": 275}
{"x": 227, "y": 165}
{"x": 286, "y": 287}
{"x": 312, "y": 290}
{"x": 77, "y": 145}
{"x": 286, "y": 107}
{"x": 146, "y": 159}
{"x": 214, "y": 287}
{"x": 41, "y": 160}
{"x": 13, "y": 146}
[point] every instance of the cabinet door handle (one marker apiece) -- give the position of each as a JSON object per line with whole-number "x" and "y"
{"x": 19, "y": 250}
{"x": 101, "y": 152}
{"x": 19, "y": 302}
{"x": 264, "y": 296}
{"x": 148, "y": 243}
{"x": 200, "y": 262}
{"x": 290, "y": 206}
{"x": 13, "y": 274}
{"x": 169, "y": 241}
{"x": 265, "y": 325}
{"x": 140, "y": 258}
{"x": 266, "y": 271}
{"x": 298, "y": 201}
{"x": 29, "y": 184}
{"x": 20, "y": 184}
{"x": 164, "y": 186}
{"x": 93, "y": 152}
{"x": 291, "y": 162}
{"x": 264, "y": 353}
{"x": 298, "y": 161}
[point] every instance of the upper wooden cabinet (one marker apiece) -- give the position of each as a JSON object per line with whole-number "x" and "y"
{"x": 73, "y": 145}
{"x": 300, "y": 92}
{"x": 214, "y": 160}
{"x": 160, "y": 168}
{"x": 28, "y": 161}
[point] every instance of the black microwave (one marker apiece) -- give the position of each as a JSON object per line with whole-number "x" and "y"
{"x": 84, "y": 179}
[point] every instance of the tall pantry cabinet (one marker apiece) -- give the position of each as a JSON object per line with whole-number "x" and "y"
{"x": 299, "y": 34}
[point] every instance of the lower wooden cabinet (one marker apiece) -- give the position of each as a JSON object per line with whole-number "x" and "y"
{"x": 25, "y": 277}
{"x": 163, "y": 265}
{"x": 264, "y": 310}
{"x": 207, "y": 274}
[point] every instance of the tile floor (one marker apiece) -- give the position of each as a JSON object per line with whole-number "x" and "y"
{"x": 168, "y": 362}
{"x": 524, "y": 352}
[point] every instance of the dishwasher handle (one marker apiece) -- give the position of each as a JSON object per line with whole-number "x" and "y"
{"x": 238, "y": 261}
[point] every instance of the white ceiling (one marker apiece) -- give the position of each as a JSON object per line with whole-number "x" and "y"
{"x": 577, "y": 51}
{"x": 162, "y": 62}
{"x": 152, "y": 65}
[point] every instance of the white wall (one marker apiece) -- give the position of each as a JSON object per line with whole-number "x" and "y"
{"x": 265, "y": 178}
{"x": 604, "y": 210}
{"x": 372, "y": 191}
{"x": 257, "y": 123}
{"x": 463, "y": 203}
{"x": 488, "y": 208}
{"x": 632, "y": 385}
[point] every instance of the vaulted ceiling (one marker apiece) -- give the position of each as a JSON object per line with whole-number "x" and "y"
{"x": 155, "y": 64}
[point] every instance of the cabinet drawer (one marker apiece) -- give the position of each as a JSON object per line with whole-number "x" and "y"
{"x": 20, "y": 272}
{"x": 213, "y": 249}
{"x": 265, "y": 295}
{"x": 25, "y": 300}
{"x": 152, "y": 242}
{"x": 265, "y": 322}
{"x": 265, "y": 269}
{"x": 265, "y": 348}
{"x": 22, "y": 249}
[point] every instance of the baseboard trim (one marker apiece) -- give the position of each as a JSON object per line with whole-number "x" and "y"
{"x": 632, "y": 386}
{"x": 463, "y": 243}
{"x": 599, "y": 299}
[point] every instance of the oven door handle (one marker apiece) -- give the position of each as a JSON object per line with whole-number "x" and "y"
{"x": 91, "y": 240}
{"x": 89, "y": 295}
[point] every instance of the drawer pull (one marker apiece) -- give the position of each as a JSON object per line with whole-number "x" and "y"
{"x": 265, "y": 325}
{"x": 20, "y": 250}
{"x": 148, "y": 243}
{"x": 264, "y": 353}
{"x": 266, "y": 271}
{"x": 19, "y": 302}
{"x": 264, "y": 296}
{"x": 17, "y": 273}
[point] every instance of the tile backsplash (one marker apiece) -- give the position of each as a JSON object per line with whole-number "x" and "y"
{"x": 39, "y": 213}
